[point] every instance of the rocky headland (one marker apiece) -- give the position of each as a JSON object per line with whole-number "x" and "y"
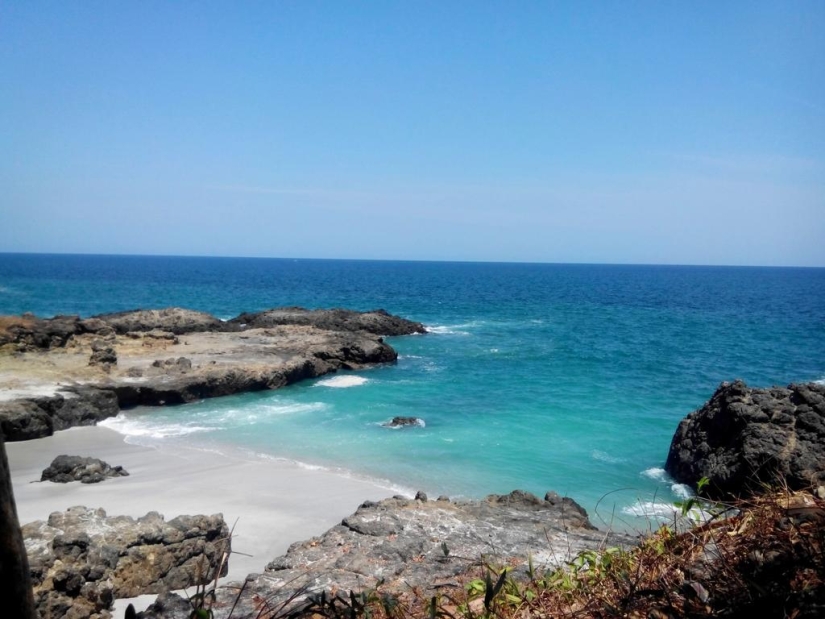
{"x": 66, "y": 371}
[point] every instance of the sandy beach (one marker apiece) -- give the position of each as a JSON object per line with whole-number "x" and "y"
{"x": 275, "y": 503}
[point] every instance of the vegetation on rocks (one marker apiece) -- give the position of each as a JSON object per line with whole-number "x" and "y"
{"x": 761, "y": 557}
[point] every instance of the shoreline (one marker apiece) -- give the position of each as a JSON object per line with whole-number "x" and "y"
{"x": 275, "y": 503}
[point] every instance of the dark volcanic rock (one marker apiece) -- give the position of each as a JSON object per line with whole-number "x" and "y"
{"x": 744, "y": 438}
{"x": 80, "y": 560}
{"x": 80, "y": 405}
{"x": 172, "y": 319}
{"x": 23, "y": 420}
{"x": 426, "y": 545}
{"x": 378, "y": 322}
{"x": 65, "y": 469}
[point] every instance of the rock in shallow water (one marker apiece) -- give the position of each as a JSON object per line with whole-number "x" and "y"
{"x": 744, "y": 438}
{"x": 401, "y": 422}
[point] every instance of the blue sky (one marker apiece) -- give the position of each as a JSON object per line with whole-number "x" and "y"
{"x": 622, "y": 132}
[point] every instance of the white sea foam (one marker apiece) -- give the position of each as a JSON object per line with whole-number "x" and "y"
{"x": 821, "y": 381}
{"x": 134, "y": 428}
{"x": 452, "y": 329}
{"x": 666, "y": 512}
{"x": 682, "y": 491}
{"x": 342, "y": 382}
{"x": 656, "y": 473}
{"x": 431, "y": 366}
{"x": 652, "y": 509}
{"x": 255, "y": 413}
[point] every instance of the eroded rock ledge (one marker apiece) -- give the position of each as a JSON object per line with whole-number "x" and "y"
{"x": 744, "y": 438}
{"x": 421, "y": 544}
{"x": 66, "y": 371}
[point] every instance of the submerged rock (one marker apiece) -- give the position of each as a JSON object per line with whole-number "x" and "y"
{"x": 744, "y": 438}
{"x": 65, "y": 469}
{"x": 400, "y": 422}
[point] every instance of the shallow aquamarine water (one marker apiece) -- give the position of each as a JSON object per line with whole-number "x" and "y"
{"x": 564, "y": 377}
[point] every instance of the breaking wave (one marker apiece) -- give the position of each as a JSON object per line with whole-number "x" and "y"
{"x": 342, "y": 382}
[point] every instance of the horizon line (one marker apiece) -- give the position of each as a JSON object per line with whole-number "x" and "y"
{"x": 411, "y": 260}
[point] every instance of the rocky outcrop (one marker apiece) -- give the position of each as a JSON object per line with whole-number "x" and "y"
{"x": 172, "y": 356}
{"x": 65, "y": 469}
{"x": 30, "y": 418}
{"x": 28, "y": 333}
{"x": 103, "y": 355}
{"x": 82, "y": 559}
{"x": 171, "y": 319}
{"x": 744, "y": 438}
{"x": 425, "y": 545}
{"x": 378, "y": 322}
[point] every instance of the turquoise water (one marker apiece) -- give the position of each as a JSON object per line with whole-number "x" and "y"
{"x": 563, "y": 377}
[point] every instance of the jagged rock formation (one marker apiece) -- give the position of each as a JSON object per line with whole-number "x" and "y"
{"x": 82, "y": 559}
{"x": 63, "y": 372}
{"x": 422, "y": 544}
{"x": 378, "y": 322}
{"x": 744, "y": 438}
{"x": 65, "y": 469}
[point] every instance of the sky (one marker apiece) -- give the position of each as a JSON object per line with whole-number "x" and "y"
{"x": 594, "y": 132}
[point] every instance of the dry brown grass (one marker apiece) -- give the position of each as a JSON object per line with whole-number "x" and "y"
{"x": 6, "y": 322}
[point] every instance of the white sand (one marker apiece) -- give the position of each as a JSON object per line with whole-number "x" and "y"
{"x": 276, "y": 503}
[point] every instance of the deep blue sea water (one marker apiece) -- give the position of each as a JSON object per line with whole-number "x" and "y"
{"x": 535, "y": 376}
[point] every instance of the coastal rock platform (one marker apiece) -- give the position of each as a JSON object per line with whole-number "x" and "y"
{"x": 66, "y": 371}
{"x": 404, "y": 544}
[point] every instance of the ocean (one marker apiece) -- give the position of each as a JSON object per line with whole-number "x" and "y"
{"x": 541, "y": 377}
